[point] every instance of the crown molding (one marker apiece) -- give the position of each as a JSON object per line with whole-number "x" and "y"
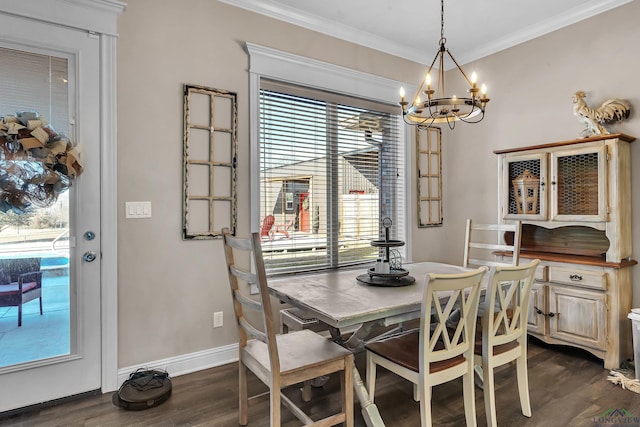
{"x": 573, "y": 16}
{"x": 97, "y": 16}
{"x": 298, "y": 17}
{"x": 331, "y": 28}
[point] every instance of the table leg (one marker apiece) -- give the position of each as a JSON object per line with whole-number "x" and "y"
{"x": 355, "y": 343}
{"x": 357, "y": 340}
{"x": 370, "y": 411}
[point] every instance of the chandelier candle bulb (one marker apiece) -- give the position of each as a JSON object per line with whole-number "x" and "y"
{"x": 474, "y": 79}
{"x": 402, "y": 94}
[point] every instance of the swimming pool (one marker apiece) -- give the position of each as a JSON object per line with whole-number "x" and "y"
{"x": 48, "y": 260}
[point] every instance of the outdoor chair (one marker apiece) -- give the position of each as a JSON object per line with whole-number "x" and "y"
{"x": 20, "y": 282}
{"x": 278, "y": 360}
{"x": 284, "y": 228}
{"x": 266, "y": 227}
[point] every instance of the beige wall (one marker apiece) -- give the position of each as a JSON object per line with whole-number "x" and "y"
{"x": 169, "y": 288}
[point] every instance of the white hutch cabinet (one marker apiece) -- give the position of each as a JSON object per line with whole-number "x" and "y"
{"x": 574, "y": 201}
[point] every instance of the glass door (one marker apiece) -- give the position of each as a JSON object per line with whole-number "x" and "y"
{"x": 49, "y": 212}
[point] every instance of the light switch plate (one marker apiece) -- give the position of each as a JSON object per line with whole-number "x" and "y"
{"x": 137, "y": 210}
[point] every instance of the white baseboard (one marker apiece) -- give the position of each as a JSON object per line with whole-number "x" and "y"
{"x": 186, "y": 363}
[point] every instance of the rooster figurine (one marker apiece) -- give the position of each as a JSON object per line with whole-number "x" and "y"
{"x": 612, "y": 110}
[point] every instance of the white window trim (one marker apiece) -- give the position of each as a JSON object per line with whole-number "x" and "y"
{"x": 265, "y": 62}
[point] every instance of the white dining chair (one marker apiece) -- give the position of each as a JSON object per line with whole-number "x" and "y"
{"x": 486, "y": 244}
{"x": 279, "y": 360}
{"x": 436, "y": 352}
{"x": 503, "y": 336}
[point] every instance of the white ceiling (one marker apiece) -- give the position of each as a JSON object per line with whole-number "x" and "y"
{"x": 411, "y": 28}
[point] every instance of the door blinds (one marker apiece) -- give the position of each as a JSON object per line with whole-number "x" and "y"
{"x": 33, "y": 82}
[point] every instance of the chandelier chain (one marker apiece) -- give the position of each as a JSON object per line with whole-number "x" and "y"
{"x": 441, "y": 20}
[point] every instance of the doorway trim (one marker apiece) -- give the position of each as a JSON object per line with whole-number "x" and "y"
{"x": 98, "y": 18}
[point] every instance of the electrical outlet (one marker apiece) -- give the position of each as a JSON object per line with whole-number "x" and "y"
{"x": 217, "y": 319}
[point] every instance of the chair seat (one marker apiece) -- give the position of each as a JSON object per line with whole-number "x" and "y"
{"x": 298, "y": 350}
{"x": 13, "y": 289}
{"x": 498, "y": 349}
{"x": 401, "y": 350}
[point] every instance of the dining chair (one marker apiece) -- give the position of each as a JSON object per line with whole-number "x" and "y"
{"x": 488, "y": 244}
{"x": 503, "y": 336}
{"x": 482, "y": 241}
{"x": 279, "y": 360}
{"x": 435, "y": 353}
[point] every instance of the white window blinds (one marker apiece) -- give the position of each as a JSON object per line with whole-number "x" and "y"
{"x": 34, "y": 82}
{"x": 331, "y": 168}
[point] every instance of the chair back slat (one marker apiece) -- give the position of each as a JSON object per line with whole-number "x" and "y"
{"x": 441, "y": 339}
{"x": 506, "y": 304}
{"x": 244, "y": 275}
{"x": 240, "y": 244}
{"x": 482, "y": 240}
{"x": 246, "y": 301}
{"x": 260, "y": 325}
{"x": 251, "y": 331}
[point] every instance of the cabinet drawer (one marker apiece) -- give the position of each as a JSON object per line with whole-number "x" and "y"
{"x": 542, "y": 273}
{"x": 575, "y": 276}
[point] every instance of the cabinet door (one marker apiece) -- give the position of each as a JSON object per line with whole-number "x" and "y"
{"x": 536, "y": 321}
{"x": 524, "y": 191}
{"x": 579, "y": 316}
{"x": 578, "y": 184}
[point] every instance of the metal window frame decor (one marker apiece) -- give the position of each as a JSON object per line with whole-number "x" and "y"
{"x": 429, "y": 176}
{"x": 206, "y": 194}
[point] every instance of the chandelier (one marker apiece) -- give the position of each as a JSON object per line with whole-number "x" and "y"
{"x": 438, "y": 108}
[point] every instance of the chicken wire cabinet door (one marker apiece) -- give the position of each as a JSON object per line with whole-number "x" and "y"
{"x": 524, "y": 186}
{"x": 579, "y": 184}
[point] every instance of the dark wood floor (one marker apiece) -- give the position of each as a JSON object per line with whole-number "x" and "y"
{"x": 568, "y": 388}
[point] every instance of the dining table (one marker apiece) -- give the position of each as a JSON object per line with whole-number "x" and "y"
{"x": 337, "y": 298}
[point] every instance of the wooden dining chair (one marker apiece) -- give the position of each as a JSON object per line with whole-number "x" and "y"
{"x": 503, "y": 336}
{"x": 484, "y": 241}
{"x": 278, "y": 360}
{"x": 435, "y": 353}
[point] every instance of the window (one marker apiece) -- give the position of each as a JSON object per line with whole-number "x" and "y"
{"x": 324, "y": 127}
{"x": 335, "y": 162}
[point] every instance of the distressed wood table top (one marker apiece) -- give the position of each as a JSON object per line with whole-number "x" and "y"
{"x": 338, "y": 299}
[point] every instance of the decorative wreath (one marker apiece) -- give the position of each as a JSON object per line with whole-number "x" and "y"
{"x": 36, "y": 163}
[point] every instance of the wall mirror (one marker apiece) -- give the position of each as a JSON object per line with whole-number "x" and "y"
{"x": 429, "y": 175}
{"x": 209, "y": 151}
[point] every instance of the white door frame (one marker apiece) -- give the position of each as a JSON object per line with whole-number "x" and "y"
{"x": 98, "y": 17}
